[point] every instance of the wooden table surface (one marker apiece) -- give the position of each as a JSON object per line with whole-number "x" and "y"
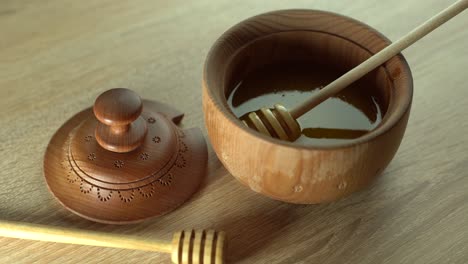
{"x": 56, "y": 56}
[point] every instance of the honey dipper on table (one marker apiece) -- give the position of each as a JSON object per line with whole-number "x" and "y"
{"x": 188, "y": 246}
{"x": 280, "y": 123}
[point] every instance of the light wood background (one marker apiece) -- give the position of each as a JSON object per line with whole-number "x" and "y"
{"x": 56, "y": 56}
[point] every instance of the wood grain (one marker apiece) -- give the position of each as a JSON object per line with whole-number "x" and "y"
{"x": 56, "y": 57}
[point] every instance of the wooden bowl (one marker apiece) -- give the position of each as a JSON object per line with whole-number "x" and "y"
{"x": 287, "y": 171}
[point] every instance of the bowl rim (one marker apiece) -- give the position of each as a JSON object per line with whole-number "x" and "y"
{"x": 377, "y": 132}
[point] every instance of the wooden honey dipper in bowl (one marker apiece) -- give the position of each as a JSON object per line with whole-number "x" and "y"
{"x": 188, "y": 246}
{"x": 280, "y": 123}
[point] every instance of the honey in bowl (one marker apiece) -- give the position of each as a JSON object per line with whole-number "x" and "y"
{"x": 348, "y": 115}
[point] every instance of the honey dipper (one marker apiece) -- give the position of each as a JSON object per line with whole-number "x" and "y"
{"x": 189, "y": 246}
{"x": 280, "y": 123}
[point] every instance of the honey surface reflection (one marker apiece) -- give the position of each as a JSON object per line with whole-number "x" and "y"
{"x": 348, "y": 115}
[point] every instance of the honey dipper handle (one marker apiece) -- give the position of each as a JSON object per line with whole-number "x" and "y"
{"x": 379, "y": 58}
{"x": 79, "y": 237}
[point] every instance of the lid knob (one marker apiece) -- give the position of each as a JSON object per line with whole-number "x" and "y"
{"x": 120, "y": 128}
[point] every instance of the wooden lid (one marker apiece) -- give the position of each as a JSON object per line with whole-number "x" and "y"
{"x": 126, "y": 162}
